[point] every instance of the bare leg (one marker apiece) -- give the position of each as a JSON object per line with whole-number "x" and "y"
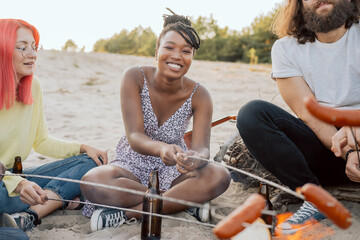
{"x": 114, "y": 176}
{"x": 48, "y": 207}
{"x": 199, "y": 186}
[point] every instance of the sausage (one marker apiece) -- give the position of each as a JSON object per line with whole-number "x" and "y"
{"x": 327, "y": 204}
{"x": 248, "y": 212}
{"x": 330, "y": 115}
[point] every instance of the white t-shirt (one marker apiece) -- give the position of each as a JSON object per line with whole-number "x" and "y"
{"x": 332, "y": 70}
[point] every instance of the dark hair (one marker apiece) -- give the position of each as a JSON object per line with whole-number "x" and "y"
{"x": 181, "y": 25}
{"x": 289, "y": 21}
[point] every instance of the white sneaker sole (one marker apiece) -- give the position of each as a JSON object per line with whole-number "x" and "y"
{"x": 96, "y": 222}
{"x": 205, "y": 215}
{"x": 290, "y": 231}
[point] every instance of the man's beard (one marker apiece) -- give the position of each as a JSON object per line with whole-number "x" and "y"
{"x": 332, "y": 20}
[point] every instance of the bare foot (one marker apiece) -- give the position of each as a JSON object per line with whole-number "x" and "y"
{"x": 74, "y": 206}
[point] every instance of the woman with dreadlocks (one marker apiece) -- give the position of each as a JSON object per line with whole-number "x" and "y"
{"x": 157, "y": 104}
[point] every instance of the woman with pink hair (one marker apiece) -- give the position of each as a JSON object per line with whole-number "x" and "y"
{"x": 23, "y": 128}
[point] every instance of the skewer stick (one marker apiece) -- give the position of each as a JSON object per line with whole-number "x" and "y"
{"x": 356, "y": 144}
{"x": 156, "y": 214}
{"x": 136, "y": 211}
{"x": 188, "y": 203}
{"x": 253, "y": 176}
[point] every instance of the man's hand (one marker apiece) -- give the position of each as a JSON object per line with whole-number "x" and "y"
{"x": 2, "y": 170}
{"x": 31, "y": 193}
{"x": 352, "y": 167}
{"x": 345, "y": 137}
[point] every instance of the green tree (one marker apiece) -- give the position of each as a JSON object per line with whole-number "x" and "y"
{"x": 99, "y": 45}
{"x": 217, "y": 44}
{"x": 259, "y": 37}
{"x": 69, "y": 46}
{"x": 139, "y": 41}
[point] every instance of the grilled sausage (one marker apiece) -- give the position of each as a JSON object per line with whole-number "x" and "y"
{"x": 248, "y": 212}
{"x": 333, "y": 116}
{"x": 327, "y": 204}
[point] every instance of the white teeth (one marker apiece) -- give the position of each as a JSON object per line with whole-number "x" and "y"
{"x": 174, "y": 65}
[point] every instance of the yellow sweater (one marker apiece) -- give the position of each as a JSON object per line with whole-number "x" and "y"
{"x": 23, "y": 127}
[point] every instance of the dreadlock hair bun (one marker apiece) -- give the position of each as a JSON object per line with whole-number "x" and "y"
{"x": 174, "y": 18}
{"x": 181, "y": 25}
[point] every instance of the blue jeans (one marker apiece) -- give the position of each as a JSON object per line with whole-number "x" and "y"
{"x": 72, "y": 168}
{"x": 7, "y": 233}
{"x": 287, "y": 147}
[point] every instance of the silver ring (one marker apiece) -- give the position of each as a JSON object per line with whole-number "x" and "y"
{"x": 192, "y": 164}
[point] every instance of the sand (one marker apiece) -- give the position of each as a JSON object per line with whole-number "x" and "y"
{"x": 82, "y": 103}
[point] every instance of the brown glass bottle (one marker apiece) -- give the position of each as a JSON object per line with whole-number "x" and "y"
{"x": 264, "y": 191}
{"x": 151, "y": 225}
{"x": 17, "y": 168}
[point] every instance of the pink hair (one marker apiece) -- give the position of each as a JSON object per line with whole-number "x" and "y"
{"x": 8, "y": 29}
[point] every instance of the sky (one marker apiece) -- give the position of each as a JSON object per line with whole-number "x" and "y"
{"x": 86, "y": 21}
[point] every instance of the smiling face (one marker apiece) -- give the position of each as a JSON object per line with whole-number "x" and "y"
{"x": 326, "y": 15}
{"x": 24, "y": 55}
{"x": 174, "y": 55}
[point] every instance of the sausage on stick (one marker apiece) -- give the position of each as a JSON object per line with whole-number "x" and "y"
{"x": 327, "y": 204}
{"x": 248, "y": 212}
{"x": 331, "y": 115}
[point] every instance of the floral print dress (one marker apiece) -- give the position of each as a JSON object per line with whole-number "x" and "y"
{"x": 172, "y": 132}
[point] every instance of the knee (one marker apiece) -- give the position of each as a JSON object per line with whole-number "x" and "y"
{"x": 86, "y": 161}
{"x": 249, "y": 116}
{"x": 219, "y": 179}
{"x": 96, "y": 175}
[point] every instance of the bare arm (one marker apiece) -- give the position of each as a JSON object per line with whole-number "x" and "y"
{"x": 200, "y": 144}
{"x": 203, "y": 109}
{"x": 293, "y": 90}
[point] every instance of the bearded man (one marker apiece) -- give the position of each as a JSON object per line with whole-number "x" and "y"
{"x": 318, "y": 54}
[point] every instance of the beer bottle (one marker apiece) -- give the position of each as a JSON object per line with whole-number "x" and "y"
{"x": 17, "y": 168}
{"x": 264, "y": 191}
{"x": 151, "y": 225}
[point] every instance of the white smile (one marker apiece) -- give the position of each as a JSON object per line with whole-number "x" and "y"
{"x": 173, "y": 65}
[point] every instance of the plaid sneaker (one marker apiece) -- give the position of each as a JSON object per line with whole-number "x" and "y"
{"x": 304, "y": 217}
{"x": 25, "y": 221}
{"x": 107, "y": 217}
{"x": 201, "y": 214}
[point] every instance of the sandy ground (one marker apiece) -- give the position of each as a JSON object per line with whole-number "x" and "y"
{"x": 82, "y": 103}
